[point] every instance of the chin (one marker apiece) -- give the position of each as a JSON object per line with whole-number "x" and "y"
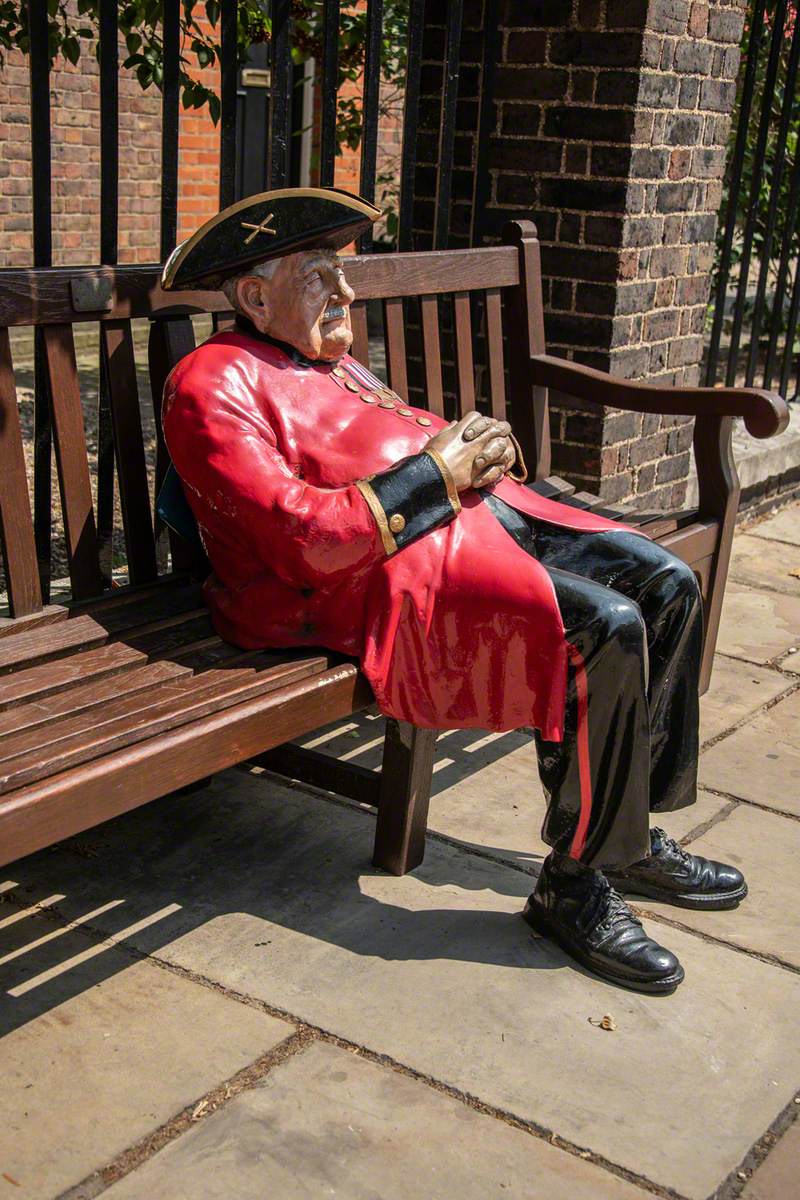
{"x": 335, "y": 343}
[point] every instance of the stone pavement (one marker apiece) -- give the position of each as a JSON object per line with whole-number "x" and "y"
{"x": 217, "y": 996}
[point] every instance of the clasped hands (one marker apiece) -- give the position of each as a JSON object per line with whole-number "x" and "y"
{"x": 477, "y": 450}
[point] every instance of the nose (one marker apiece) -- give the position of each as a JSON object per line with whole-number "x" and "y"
{"x": 344, "y": 292}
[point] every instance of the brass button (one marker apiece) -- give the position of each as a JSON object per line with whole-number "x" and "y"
{"x": 340, "y": 372}
{"x": 368, "y": 398}
{"x": 423, "y": 421}
{"x": 405, "y": 412}
{"x": 397, "y": 523}
{"x": 352, "y": 385}
{"x": 386, "y": 404}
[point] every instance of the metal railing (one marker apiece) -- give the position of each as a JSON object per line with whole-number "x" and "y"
{"x": 756, "y": 300}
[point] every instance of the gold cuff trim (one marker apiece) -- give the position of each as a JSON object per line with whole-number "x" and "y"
{"x": 447, "y": 476}
{"x": 378, "y": 512}
{"x": 519, "y": 463}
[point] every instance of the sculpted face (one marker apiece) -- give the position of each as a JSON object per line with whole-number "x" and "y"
{"x": 303, "y": 299}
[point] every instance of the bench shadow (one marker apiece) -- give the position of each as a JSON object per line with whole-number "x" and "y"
{"x": 246, "y": 845}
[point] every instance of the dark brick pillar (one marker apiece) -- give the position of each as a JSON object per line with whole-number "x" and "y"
{"x": 608, "y": 123}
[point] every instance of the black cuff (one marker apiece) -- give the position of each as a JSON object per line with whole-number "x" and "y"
{"x": 411, "y": 498}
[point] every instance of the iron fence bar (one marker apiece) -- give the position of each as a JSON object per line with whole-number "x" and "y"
{"x": 370, "y": 108}
{"x": 408, "y": 162}
{"x": 734, "y": 184}
{"x": 779, "y": 18}
{"x": 793, "y": 205}
{"x": 109, "y": 132}
{"x": 481, "y": 182}
{"x": 794, "y": 311}
{"x": 447, "y": 129}
{"x": 170, "y": 99}
{"x": 280, "y": 95}
{"x": 39, "y": 68}
{"x": 774, "y": 196}
{"x": 227, "y": 121}
{"x": 109, "y": 249}
{"x": 330, "y": 88}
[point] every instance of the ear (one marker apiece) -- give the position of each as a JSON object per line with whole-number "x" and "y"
{"x": 251, "y": 300}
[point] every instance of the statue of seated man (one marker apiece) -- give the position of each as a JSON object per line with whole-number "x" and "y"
{"x": 335, "y": 514}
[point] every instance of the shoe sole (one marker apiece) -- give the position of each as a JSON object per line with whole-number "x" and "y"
{"x": 664, "y": 986}
{"x": 710, "y": 901}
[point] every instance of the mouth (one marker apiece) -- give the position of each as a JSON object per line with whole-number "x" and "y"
{"x": 334, "y": 313}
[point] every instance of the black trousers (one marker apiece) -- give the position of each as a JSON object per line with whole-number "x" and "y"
{"x": 633, "y": 618}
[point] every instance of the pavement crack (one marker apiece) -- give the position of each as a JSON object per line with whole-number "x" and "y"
{"x": 738, "y": 1179}
{"x": 199, "y": 1110}
{"x": 771, "y": 960}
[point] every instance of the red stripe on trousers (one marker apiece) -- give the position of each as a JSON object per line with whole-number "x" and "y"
{"x": 584, "y": 763}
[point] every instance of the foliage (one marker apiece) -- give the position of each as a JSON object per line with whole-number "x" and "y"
{"x": 750, "y": 167}
{"x": 140, "y": 25}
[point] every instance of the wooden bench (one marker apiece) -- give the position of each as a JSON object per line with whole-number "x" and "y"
{"x": 114, "y": 696}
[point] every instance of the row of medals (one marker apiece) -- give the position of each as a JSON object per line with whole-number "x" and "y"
{"x": 382, "y": 396}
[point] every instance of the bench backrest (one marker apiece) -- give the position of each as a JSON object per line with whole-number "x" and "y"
{"x": 436, "y": 307}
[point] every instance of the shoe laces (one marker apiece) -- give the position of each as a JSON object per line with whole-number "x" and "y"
{"x": 616, "y": 912}
{"x": 673, "y": 848}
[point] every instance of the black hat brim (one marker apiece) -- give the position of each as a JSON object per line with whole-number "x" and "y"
{"x": 269, "y": 225}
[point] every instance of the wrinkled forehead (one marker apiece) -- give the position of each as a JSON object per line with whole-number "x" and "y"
{"x": 311, "y": 260}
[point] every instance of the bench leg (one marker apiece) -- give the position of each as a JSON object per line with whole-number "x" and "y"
{"x": 404, "y": 795}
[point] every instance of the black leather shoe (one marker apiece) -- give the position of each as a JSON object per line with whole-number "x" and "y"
{"x": 677, "y": 877}
{"x": 579, "y": 910}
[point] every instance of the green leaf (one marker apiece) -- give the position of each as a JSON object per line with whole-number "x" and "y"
{"x": 71, "y": 49}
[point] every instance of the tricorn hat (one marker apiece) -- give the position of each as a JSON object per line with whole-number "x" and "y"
{"x": 266, "y": 226}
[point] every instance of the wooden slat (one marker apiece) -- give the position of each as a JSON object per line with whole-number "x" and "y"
{"x": 464, "y": 364}
{"x": 322, "y": 771}
{"x": 73, "y": 465}
{"x": 33, "y": 755}
{"x": 87, "y": 696}
{"x": 134, "y": 492}
{"x": 47, "y": 678}
{"x": 47, "y": 297}
{"x": 358, "y": 320}
{"x": 552, "y": 488}
{"x": 175, "y": 607}
{"x": 83, "y": 796}
{"x": 14, "y": 625}
{"x": 53, "y": 641}
{"x": 431, "y": 352}
{"x": 394, "y": 324}
{"x": 16, "y": 519}
{"x": 494, "y": 345}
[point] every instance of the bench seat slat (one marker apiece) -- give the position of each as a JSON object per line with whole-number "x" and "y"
{"x": 86, "y": 695}
{"x": 82, "y": 632}
{"x": 82, "y": 796}
{"x": 138, "y": 718}
{"x": 47, "y": 678}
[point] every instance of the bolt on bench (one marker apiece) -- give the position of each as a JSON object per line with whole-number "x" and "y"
{"x": 120, "y": 695}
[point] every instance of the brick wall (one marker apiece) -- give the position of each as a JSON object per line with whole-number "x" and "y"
{"x": 75, "y": 134}
{"x": 610, "y": 121}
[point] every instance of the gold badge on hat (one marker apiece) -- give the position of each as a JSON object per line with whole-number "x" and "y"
{"x": 261, "y": 227}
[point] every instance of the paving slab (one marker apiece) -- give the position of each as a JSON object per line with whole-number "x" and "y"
{"x": 760, "y": 563}
{"x": 778, "y": 1177}
{"x": 437, "y": 970}
{"x": 326, "y": 1123}
{"x": 758, "y": 626}
{"x": 783, "y": 527}
{"x": 766, "y": 847}
{"x": 103, "y": 1051}
{"x": 737, "y": 690}
{"x": 760, "y": 761}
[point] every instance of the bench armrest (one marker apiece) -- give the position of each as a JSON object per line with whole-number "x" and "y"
{"x": 765, "y": 413}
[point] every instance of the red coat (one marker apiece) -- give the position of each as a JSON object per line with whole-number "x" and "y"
{"x": 459, "y": 628}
